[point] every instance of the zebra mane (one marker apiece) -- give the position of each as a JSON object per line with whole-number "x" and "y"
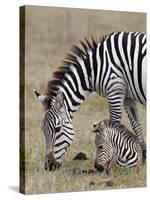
{"x": 71, "y": 59}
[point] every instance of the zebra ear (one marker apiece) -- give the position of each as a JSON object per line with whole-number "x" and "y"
{"x": 95, "y": 128}
{"x": 60, "y": 100}
{"x": 95, "y": 124}
{"x": 102, "y": 123}
{"x": 41, "y": 98}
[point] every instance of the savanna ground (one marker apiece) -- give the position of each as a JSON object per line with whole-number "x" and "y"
{"x": 50, "y": 33}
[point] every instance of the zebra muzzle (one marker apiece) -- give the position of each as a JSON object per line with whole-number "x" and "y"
{"x": 51, "y": 164}
{"x": 100, "y": 168}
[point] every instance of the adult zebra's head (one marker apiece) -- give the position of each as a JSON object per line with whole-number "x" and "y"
{"x": 104, "y": 149}
{"x": 57, "y": 128}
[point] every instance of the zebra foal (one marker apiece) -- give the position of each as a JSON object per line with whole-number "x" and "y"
{"x": 115, "y": 144}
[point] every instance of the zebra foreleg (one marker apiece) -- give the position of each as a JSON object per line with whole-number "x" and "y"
{"x": 116, "y": 98}
{"x": 131, "y": 110}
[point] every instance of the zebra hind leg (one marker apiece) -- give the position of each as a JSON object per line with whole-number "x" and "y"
{"x": 131, "y": 110}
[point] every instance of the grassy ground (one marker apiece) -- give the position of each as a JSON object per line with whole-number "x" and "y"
{"x": 41, "y": 181}
{"x": 49, "y": 35}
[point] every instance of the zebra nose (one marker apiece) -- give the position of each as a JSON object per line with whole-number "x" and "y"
{"x": 51, "y": 166}
{"x": 100, "y": 168}
{"x": 51, "y": 163}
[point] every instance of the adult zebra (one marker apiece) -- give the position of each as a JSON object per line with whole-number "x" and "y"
{"x": 115, "y": 144}
{"x": 115, "y": 68}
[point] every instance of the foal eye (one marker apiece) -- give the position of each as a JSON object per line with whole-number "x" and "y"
{"x": 100, "y": 147}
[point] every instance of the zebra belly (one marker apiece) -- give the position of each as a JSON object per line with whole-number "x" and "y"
{"x": 132, "y": 96}
{"x": 136, "y": 83}
{"x": 144, "y": 75}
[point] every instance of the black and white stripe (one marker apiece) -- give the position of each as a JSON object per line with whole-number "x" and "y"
{"x": 114, "y": 67}
{"x": 116, "y": 145}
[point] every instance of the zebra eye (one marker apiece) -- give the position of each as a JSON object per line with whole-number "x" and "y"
{"x": 101, "y": 146}
{"x": 57, "y": 129}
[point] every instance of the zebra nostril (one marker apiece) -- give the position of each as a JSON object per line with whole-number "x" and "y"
{"x": 52, "y": 166}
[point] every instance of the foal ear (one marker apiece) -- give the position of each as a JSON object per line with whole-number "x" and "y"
{"x": 95, "y": 128}
{"x": 102, "y": 123}
{"x": 60, "y": 100}
{"x": 98, "y": 127}
{"x": 95, "y": 124}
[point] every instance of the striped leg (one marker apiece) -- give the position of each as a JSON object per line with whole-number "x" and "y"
{"x": 131, "y": 110}
{"x": 116, "y": 98}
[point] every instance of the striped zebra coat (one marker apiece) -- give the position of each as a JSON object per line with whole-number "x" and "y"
{"x": 114, "y": 67}
{"x": 115, "y": 144}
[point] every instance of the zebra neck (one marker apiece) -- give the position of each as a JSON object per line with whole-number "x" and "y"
{"x": 75, "y": 87}
{"x": 82, "y": 78}
{"x": 79, "y": 77}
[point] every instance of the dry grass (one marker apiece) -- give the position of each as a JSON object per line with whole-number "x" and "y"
{"x": 49, "y": 35}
